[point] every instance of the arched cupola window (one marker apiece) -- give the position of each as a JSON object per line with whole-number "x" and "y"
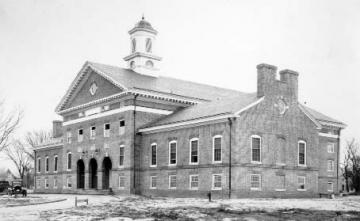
{"x": 148, "y": 45}
{"x": 133, "y": 45}
{"x": 149, "y": 64}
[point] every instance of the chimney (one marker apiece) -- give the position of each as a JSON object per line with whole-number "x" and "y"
{"x": 265, "y": 79}
{"x": 57, "y": 128}
{"x": 290, "y": 78}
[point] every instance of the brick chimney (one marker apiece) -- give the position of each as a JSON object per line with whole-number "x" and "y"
{"x": 57, "y": 128}
{"x": 265, "y": 79}
{"x": 290, "y": 78}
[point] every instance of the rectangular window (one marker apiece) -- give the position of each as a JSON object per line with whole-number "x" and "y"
{"x": 302, "y": 153}
{"x": 38, "y": 183}
{"x": 172, "y": 153}
{"x": 39, "y": 165}
{"x": 153, "y": 182}
{"x": 172, "y": 182}
{"x": 217, "y": 149}
{"x": 46, "y": 164}
{"x": 55, "y": 182}
{"x": 69, "y": 161}
{"x": 255, "y": 149}
{"x": 194, "y": 182}
{"x": 107, "y": 130}
{"x": 280, "y": 185}
{"x": 46, "y": 183}
{"x": 330, "y": 186}
{"x": 68, "y": 182}
{"x": 68, "y": 136}
{"x": 330, "y": 165}
{"x": 92, "y": 132}
{"x": 153, "y": 154}
{"x": 121, "y": 127}
{"x": 217, "y": 182}
{"x": 121, "y": 182}
{"x": 331, "y": 147}
{"x": 255, "y": 182}
{"x": 80, "y": 135}
{"x": 194, "y": 151}
{"x": 55, "y": 163}
{"x": 301, "y": 183}
{"x": 122, "y": 155}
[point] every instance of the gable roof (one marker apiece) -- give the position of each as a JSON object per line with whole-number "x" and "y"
{"x": 127, "y": 79}
{"x": 322, "y": 119}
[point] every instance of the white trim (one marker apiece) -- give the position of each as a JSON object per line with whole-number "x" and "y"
{"x": 55, "y": 181}
{"x": 57, "y": 163}
{"x": 251, "y": 149}
{"x": 67, "y": 161}
{"x": 191, "y": 140}
{"x": 119, "y": 179}
{"x": 190, "y": 176}
{"x": 318, "y": 125}
{"x": 256, "y": 188}
{"x": 47, "y": 167}
{"x": 116, "y": 111}
{"x": 333, "y": 124}
{"x": 68, "y": 181}
{"x": 329, "y": 135}
{"x": 82, "y": 135}
{"x": 299, "y": 183}
{"x": 332, "y": 187}
{"x": 332, "y": 144}
{"x": 298, "y": 159}
{"x": 280, "y": 190}
{"x": 108, "y": 131}
{"x": 121, "y": 146}
{"x": 171, "y": 142}
{"x": 213, "y": 181}
{"x": 151, "y": 145}
{"x": 170, "y": 181}
{"x": 68, "y": 138}
{"x": 213, "y": 149}
{"x": 333, "y": 166}
{"x": 151, "y": 182}
{"x": 249, "y": 106}
{"x": 91, "y": 135}
{"x": 46, "y": 183}
{"x": 186, "y": 123}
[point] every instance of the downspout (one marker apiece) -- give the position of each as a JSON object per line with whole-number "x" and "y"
{"x": 230, "y": 138}
{"x": 134, "y": 146}
{"x": 337, "y": 164}
{"x": 35, "y": 171}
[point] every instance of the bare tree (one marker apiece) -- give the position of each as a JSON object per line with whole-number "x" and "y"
{"x": 17, "y": 152}
{"x": 36, "y": 138}
{"x": 8, "y": 124}
{"x": 352, "y": 165}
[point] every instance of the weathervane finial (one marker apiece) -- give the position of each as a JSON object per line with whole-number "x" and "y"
{"x": 143, "y": 17}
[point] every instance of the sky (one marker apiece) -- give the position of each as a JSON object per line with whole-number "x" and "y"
{"x": 43, "y": 45}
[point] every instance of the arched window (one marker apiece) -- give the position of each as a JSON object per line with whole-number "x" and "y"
{"x": 133, "y": 48}
{"x": 149, "y": 64}
{"x": 255, "y": 149}
{"x": 69, "y": 160}
{"x": 302, "y": 153}
{"x": 148, "y": 45}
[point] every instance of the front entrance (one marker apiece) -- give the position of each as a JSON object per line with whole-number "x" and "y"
{"x": 106, "y": 174}
{"x": 93, "y": 174}
{"x": 80, "y": 174}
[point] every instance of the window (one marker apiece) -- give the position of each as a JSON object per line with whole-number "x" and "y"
{"x": 122, "y": 155}
{"x": 217, "y": 182}
{"x": 121, "y": 182}
{"x": 330, "y": 165}
{"x": 121, "y": 127}
{"x": 217, "y": 149}
{"x": 172, "y": 153}
{"x": 38, "y": 183}
{"x": 194, "y": 151}
{"x": 107, "y": 130}
{"x": 301, "y": 183}
{"x": 132, "y": 64}
{"x": 68, "y": 182}
{"x": 80, "y": 135}
{"x": 46, "y": 183}
{"x": 172, "y": 182}
{"x": 148, "y": 45}
{"x": 330, "y": 186}
{"x": 69, "y": 136}
{"x": 280, "y": 185}
{"x": 255, "y": 182}
{"x": 55, "y": 182}
{"x": 149, "y": 64}
{"x": 92, "y": 132}
{"x": 194, "y": 182}
{"x": 69, "y": 161}
{"x": 39, "y": 165}
{"x": 255, "y": 149}
{"x": 55, "y": 163}
{"x": 46, "y": 164}
{"x": 153, "y": 182}
{"x": 133, "y": 45}
{"x": 331, "y": 147}
{"x": 153, "y": 155}
{"x": 302, "y": 153}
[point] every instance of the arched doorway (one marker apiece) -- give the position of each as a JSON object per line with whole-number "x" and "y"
{"x": 80, "y": 174}
{"x": 93, "y": 174}
{"x": 107, "y": 165}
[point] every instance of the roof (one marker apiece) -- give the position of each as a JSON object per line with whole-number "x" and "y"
{"x": 209, "y": 109}
{"x": 321, "y": 117}
{"x": 143, "y": 25}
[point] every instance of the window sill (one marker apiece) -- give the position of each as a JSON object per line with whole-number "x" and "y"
{"x": 55, "y": 171}
{"x": 216, "y": 162}
{"x": 255, "y": 189}
{"x": 301, "y": 190}
{"x": 171, "y": 165}
{"x": 194, "y": 189}
{"x": 256, "y": 162}
{"x": 121, "y": 188}
{"x": 280, "y": 190}
{"x": 300, "y": 165}
{"x": 153, "y": 166}
{"x": 153, "y": 188}
{"x": 280, "y": 164}
{"x": 194, "y": 163}
{"x": 172, "y": 188}
{"x": 216, "y": 188}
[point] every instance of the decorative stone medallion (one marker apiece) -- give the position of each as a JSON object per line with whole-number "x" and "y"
{"x": 93, "y": 88}
{"x": 281, "y": 106}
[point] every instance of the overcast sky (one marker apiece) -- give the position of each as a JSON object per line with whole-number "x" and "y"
{"x": 43, "y": 44}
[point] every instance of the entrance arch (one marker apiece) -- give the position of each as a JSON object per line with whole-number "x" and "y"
{"x": 93, "y": 174}
{"x": 80, "y": 174}
{"x": 107, "y": 166}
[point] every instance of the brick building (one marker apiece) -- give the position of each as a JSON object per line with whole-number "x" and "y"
{"x": 133, "y": 131}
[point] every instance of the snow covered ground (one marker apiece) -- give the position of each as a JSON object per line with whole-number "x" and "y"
{"x": 110, "y": 207}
